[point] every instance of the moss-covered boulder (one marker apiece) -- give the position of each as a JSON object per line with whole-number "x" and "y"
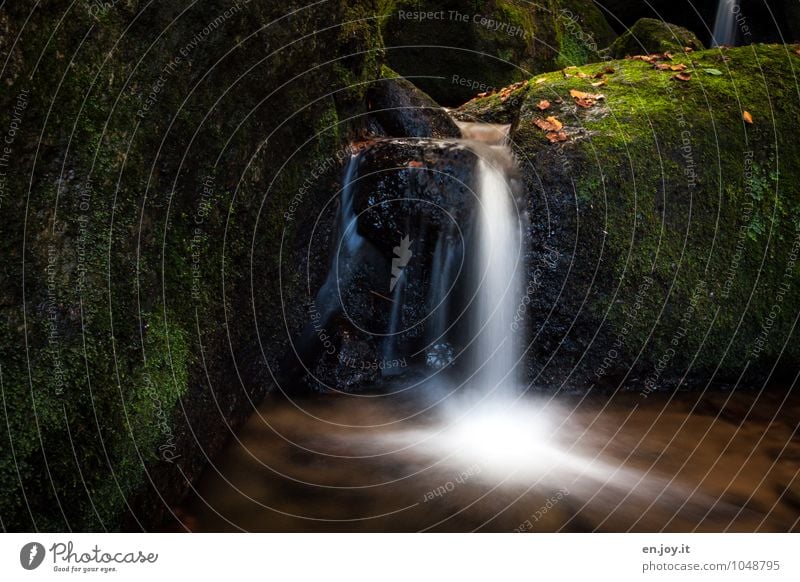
{"x": 665, "y": 218}
{"x": 653, "y": 36}
{"x": 454, "y": 50}
{"x": 160, "y": 160}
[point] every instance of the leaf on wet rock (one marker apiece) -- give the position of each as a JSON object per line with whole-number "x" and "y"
{"x": 543, "y": 105}
{"x": 747, "y": 117}
{"x": 682, "y": 77}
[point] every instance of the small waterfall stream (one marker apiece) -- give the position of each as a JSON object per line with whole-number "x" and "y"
{"x": 725, "y": 23}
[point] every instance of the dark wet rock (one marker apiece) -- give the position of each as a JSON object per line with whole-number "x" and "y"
{"x": 476, "y": 47}
{"x": 649, "y": 35}
{"x": 402, "y": 110}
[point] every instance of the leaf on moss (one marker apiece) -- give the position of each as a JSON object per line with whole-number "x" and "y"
{"x": 550, "y": 124}
{"x": 585, "y": 100}
{"x": 680, "y": 67}
{"x": 599, "y": 83}
{"x": 663, "y": 66}
{"x": 543, "y": 105}
{"x": 747, "y": 117}
{"x": 682, "y": 77}
{"x": 715, "y": 72}
{"x": 556, "y": 136}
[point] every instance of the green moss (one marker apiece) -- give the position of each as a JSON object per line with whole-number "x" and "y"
{"x": 678, "y": 187}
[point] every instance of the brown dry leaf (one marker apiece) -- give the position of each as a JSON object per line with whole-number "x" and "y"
{"x": 747, "y": 117}
{"x": 599, "y": 83}
{"x": 540, "y": 81}
{"x": 688, "y": 49}
{"x": 582, "y": 75}
{"x": 662, "y": 66}
{"x": 668, "y": 56}
{"x": 585, "y": 103}
{"x": 579, "y": 94}
{"x": 556, "y": 136}
{"x": 797, "y": 52}
{"x": 680, "y": 67}
{"x": 543, "y": 105}
{"x": 415, "y": 164}
{"x": 682, "y": 77}
{"x": 610, "y": 70}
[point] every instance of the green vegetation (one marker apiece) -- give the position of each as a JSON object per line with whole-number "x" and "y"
{"x": 676, "y": 185}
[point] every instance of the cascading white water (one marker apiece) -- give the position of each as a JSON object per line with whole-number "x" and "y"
{"x": 500, "y": 290}
{"x": 725, "y": 23}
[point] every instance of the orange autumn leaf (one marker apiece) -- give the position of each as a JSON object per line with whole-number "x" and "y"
{"x": 543, "y": 105}
{"x": 680, "y": 67}
{"x": 556, "y": 123}
{"x": 682, "y": 77}
{"x": 556, "y": 136}
{"x": 747, "y": 117}
{"x": 550, "y": 124}
{"x": 662, "y": 66}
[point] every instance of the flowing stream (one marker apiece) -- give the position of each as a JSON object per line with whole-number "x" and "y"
{"x": 454, "y": 443}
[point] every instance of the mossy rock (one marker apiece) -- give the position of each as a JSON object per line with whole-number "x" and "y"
{"x": 649, "y": 35}
{"x": 453, "y": 50}
{"x": 146, "y": 198}
{"x": 666, "y": 226}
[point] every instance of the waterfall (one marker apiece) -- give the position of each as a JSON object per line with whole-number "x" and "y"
{"x": 725, "y": 23}
{"x": 498, "y": 267}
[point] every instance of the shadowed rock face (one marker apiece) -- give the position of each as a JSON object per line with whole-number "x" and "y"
{"x": 402, "y": 110}
{"x": 414, "y": 189}
{"x": 653, "y": 36}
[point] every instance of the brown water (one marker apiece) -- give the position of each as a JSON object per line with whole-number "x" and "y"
{"x": 713, "y": 462}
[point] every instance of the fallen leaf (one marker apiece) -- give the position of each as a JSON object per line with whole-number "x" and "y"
{"x": 415, "y": 164}
{"x": 585, "y": 103}
{"x": 582, "y": 75}
{"x": 668, "y": 56}
{"x": 715, "y": 72}
{"x": 554, "y": 136}
{"x": 688, "y": 49}
{"x": 540, "y": 81}
{"x": 609, "y": 70}
{"x": 682, "y": 77}
{"x": 680, "y": 67}
{"x": 543, "y": 105}
{"x": 797, "y": 52}
{"x": 484, "y": 94}
{"x": 747, "y": 117}
{"x": 556, "y": 123}
{"x": 550, "y": 124}
{"x": 599, "y": 83}
{"x": 662, "y": 66}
